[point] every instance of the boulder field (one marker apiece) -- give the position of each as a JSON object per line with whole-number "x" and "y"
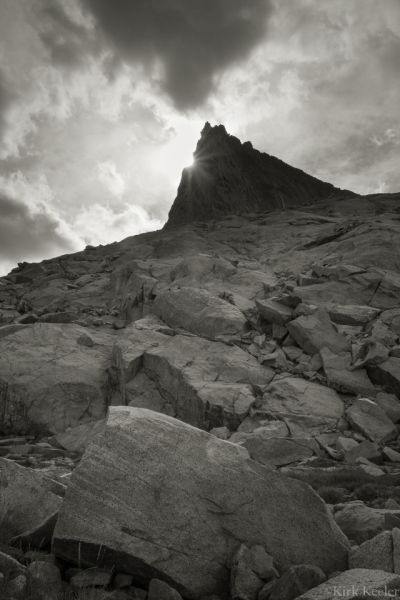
{"x": 164, "y": 398}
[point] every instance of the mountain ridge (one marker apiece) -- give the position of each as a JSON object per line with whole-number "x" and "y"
{"x": 231, "y": 177}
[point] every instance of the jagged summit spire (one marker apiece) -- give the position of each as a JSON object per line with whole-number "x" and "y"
{"x": 231, "y": 177}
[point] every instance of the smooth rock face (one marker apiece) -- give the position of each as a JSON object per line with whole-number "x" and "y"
{"x": 198, "y": 502}
{"x": 199, "y": 312}
{"x": 47, "y": 379}
{"x": 314, "y": 332}
{"x": 27, "y": 497}
{"x": 303, "y": 405}
{"x": 368, "y": 418}
{"x": 359, "y": 584}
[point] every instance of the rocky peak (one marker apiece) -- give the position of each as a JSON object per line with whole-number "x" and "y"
{"x": 228, "y": 177}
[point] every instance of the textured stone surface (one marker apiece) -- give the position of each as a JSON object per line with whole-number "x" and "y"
{"x": 359, "y": 584}
{"x": 276, "y": 452}
{"x": 396, "y": 550}
{"x": 296, "y": 581}
{"x": 342, "y": 380}
{"x": 387, "y": 374}
{"x": 376, "y": 553}
{"x": 48, "y": 380}
{"x": 366, "y": 449}
{"x": 245, "y": 584}
{"x": 44, "y": 581}
{"x": 368, "y": 418}
{"x": 10, "y": 565}
{"x": 199, "y": 312}
{"x": 274, "y": 312}
{"x": 79, "y": 437}
{"x": 388, "y": 294}
{"x": 207, "y": 384}
{"x": 197, "y": 503}
{"x": 314, "y": 332}
{"x": 351, "y": 315}
{"x": 390, "y": 405}
{"x": 303, "y": 405}
{"x": 159, "y": 590}
{"x": 27, "y": 497}
{"x": 360, "y": 522}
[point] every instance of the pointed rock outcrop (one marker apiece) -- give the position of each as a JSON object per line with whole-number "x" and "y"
{"x": 228, "y": 178}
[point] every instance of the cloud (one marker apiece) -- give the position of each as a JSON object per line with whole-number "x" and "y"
{"x": 97, "y": 224}
{"x": 109, "y": 176}
{"x": 322, "y": 91}
{"x": 30, "y": 229}
{"x": 6, "y": 98}
{"x": 184, "y": 44}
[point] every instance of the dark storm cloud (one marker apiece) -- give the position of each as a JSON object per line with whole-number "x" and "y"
{"x": 6, "y": 98}
{"x": 23, "y": 234}
{"x": 193, "y": 39}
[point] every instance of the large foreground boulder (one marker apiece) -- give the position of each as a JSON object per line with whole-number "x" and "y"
{"x": 157, "y": 498}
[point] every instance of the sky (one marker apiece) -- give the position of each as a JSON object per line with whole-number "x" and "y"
{"x": 102, "y": 103}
